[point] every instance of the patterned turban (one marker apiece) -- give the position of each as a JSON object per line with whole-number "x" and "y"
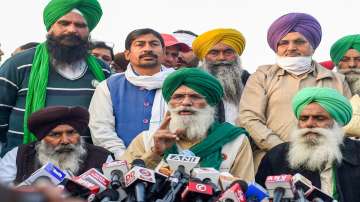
{"x": 196, "y": 79}
{"x": 231, "y": 37}
{"x": 341, "y": 46}
{"x": 294, "y": 22}
{"x": 90, "y": 9}
{"x": 331, "y": 100}
{"x": 40, "y": 123}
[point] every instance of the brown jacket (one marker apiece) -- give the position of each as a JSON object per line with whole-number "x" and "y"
{"x": 265, "y": 105}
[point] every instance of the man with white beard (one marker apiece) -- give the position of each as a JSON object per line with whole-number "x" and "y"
{"x": 58, "y": 131}
{"x": 189, "y": 126}
{"x": 345, "y": 53}
{"x": 317, "y": 147}
{"x": 220, "y": 51}
{"x": 265, "y": 109}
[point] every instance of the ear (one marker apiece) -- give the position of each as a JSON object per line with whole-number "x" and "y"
{"x": 127, "y": 55}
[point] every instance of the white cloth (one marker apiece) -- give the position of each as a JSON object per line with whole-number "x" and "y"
{"x": 150, "y": 83}
{"x": 8, "y": 168}
{"x": 231, "y": 112}
{"x": 295, "y": 65}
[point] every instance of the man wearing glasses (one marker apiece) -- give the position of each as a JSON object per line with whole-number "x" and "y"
{"x": 190, "y": 127}
{"x": 345, "y": 53}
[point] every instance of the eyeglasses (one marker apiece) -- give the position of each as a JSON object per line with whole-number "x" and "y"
{"x": 348, "y": 59}
{"x": 195, "y": 98}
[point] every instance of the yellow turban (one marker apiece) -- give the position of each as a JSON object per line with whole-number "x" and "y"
{"x": 231, "y": 37}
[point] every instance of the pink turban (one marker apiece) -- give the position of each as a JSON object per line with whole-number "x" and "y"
{"x": 303, "y": 23}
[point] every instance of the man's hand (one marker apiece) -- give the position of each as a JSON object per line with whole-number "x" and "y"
{"x": 164, "y": 138}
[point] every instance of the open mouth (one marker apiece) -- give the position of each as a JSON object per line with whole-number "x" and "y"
{"x": 186, "y": 112}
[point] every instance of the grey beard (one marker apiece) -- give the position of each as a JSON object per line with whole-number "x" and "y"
{"x": 352, "y": 76}
{"x": 66, "y": 157}
{"x": 196, "y": 125}
{"x": 229, "y": 75}
{"x": 313, "y": 155}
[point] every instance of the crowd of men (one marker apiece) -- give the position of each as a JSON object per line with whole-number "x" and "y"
{"x": 73, "y": 102}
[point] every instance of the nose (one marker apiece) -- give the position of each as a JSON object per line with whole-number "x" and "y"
{"x": 72, "y": 28}
{"x": 221, "y": 56}
{"x": 310, "y": 123}
{"x": 292, "y": 46}
{"x": 65, "y": 139}
{"x": 352, "y": 63}
{"x": 187, "y": 101}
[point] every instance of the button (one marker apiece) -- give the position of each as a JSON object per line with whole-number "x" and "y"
{"x": 145, "y": 121}
{"x": 146, "y": 104}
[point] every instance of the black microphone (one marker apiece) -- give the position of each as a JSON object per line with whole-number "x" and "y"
{"x": 106, "y": 196}
{"x": 177, "y": 181}
{"x": 159, "y": 188}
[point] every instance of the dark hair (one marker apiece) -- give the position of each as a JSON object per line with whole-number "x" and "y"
{"x": 180, "y": 31}
{"x": 140, "y": 32}
{"x": 120, "y": 63}
{"x": 29, "y": 45}
{"x": 102, "y": 44}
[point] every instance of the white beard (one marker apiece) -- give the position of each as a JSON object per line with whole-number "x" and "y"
{"x": 65, "y": 160}
{"x": 314, "y": 154}
{"x": 229, "y": 75}
{"x": 352, "y": 76}
{"x": 196, "y": 125}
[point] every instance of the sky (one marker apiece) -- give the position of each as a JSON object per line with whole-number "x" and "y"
{"x": 21, "y": 21}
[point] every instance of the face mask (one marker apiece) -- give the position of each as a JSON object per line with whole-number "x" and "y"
{"x": 295, "y": 65}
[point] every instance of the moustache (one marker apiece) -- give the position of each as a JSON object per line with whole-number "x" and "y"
{"x": 65, "y": 148}
{"x": 349, "y": 71}
{"x": 222, "y": 63}
{"x": 148, "y": 55}
{"x": 184, "y": 109}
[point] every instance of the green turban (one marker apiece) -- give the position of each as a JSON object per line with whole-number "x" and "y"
{"x": 196, "y": 79}
{"x": 341, "y": 46}
{"x": 90, "y": 9}
{"x": 331, "y": 100}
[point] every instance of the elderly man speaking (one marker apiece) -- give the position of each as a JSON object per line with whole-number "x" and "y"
{"x": 317, "y": 147}
{"x": 220, "y": 50}
{"x": 191, "y": 95}
{"x": 265, "y": 109}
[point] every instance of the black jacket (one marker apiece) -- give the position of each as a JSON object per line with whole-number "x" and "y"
{"x": 347, "y": 172}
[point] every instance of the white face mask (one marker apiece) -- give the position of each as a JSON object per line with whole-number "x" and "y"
{"x": 294, "y": 65}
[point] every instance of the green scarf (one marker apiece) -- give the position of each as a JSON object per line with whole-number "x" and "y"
{"x": 36, "y": 95}
{"x": 209, "y": 149}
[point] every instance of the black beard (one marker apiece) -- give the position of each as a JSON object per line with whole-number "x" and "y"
{"x": 67, "y": 53}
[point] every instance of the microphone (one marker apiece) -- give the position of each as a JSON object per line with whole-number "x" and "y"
{"x": 302, "y": 186}
{"x": 115, "y": 172}
{"x": 189, "y": 162}
{"x": 160, "y": 187}
{"x": 177, "y": 181}
{"x": 138, "y": 177}
{"x": 48, "y": 172}
{"x": 206, "y": 173}
{"x": 235, "y": 193}
{"x": 279, "y": 187}
{"x": 97, "y": 178}
{"x": 318, "y": 195}
{"x": 78, "y": 188}
{"x": 197, "y": 191}
{"x": 107, "y": 196}
{"x": 255, "y": 192}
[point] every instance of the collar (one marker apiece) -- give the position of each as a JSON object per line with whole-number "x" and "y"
{"x": 317, "y": 71}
